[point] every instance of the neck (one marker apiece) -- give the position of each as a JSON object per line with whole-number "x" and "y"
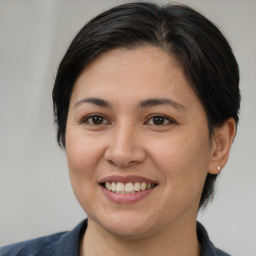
{"x": 172, "y": 242}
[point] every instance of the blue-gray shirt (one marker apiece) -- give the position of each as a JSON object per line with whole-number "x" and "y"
{"x": 67, "y": 244}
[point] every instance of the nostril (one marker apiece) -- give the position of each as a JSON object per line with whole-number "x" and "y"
{"x": 124, "y": 151}
{"x": 121, "y": 162}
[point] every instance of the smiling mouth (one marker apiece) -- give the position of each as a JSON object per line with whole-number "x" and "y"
{"x": 127, "y": 188}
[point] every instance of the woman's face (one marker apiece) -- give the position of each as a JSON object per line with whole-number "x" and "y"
{"x": 135, "y": 122}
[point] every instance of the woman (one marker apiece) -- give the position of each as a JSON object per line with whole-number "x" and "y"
{"x": 146, "y": 103}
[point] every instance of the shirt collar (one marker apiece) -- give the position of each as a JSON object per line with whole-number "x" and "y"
{"x": 69, "y": 242}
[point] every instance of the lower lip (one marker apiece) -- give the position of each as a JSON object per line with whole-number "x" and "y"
{"x": 126, "y": 198}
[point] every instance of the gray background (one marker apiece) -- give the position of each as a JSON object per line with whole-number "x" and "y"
{"x": 35, "y": 194}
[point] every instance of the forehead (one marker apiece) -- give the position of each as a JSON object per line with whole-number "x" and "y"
{"x": 142, "y": 72}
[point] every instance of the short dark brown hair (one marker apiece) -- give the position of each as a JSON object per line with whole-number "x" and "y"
{"x": 197, "y": 44}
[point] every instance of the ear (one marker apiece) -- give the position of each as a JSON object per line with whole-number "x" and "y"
{"x": 221, "y": 143}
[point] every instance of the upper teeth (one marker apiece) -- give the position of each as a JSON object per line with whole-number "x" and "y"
{"x": 124, "y": 188}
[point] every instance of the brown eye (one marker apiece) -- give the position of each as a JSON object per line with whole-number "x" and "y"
{"x": 95, "y": 120}
{"x": 159, "y": 120}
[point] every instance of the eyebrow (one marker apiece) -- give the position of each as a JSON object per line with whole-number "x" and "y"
{"x": 95, "y": 101}
{"x": 145, "y": 103}
{"x": 162, "y": 101}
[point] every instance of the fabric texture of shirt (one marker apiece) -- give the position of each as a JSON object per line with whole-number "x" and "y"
{"x": 67, "y": 244}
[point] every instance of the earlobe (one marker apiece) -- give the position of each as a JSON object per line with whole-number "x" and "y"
{"x": 221, "y": 144}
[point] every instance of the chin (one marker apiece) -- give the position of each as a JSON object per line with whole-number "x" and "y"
{"x": 125, "y": 225}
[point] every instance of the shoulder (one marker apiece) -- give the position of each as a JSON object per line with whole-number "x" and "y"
{"x": 221, "y": 253}
{"x": 207, "y": 247}
{"x": 40, "y": 246}
{"x": 59, "y": 244}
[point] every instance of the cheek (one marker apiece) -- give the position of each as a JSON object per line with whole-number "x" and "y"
{"x": 81, "y": 160}
{"x": 183, "y": 160}
{"x": 81, "y": 156}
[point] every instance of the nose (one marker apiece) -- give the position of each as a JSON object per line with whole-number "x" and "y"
{"x": 125, "y": 147}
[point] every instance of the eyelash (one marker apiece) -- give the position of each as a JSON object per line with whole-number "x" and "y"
{"x": 166, "y": 120}
{"x": 90, "y": 117}
{"x": 161, "y": 118}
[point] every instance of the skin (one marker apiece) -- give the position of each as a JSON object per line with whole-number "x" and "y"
{"x": 176, "y": 153}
